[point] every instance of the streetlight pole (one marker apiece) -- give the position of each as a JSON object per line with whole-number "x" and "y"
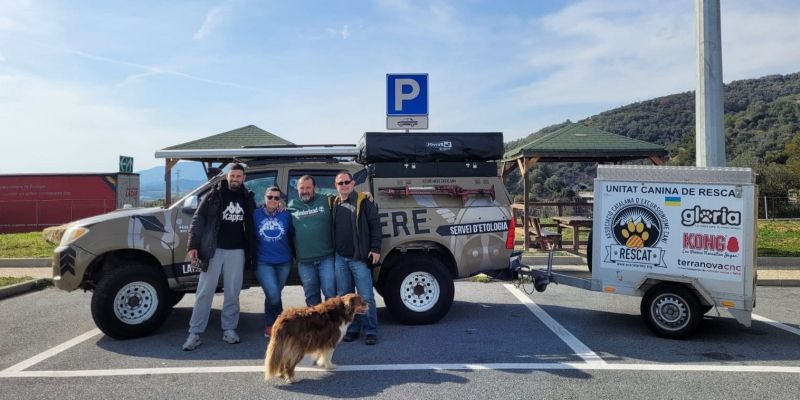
{"x": 709, "y": 101}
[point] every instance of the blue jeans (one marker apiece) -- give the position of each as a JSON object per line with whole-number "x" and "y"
{"x": 272, "y": 278}
{"x": 317, "y": 275}
{"x": 348, "y": 272}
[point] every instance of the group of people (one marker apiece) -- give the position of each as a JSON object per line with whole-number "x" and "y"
{"x": 334, "y": 240}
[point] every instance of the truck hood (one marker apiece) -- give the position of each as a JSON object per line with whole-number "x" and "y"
{"x": 116, "y": 214}
{"x": 54, "y": 234}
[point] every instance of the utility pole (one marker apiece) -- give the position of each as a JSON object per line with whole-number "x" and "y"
{"x": 709, "y": 101}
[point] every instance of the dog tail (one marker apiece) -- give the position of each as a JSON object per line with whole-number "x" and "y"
{"x": 273, "y": 359}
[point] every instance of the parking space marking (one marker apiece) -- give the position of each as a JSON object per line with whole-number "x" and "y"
{"x": 776, "y": 324}
{"x": 48, "y": 353}
{"x": 417, "y": 367}
{"x": 576, "y": 345}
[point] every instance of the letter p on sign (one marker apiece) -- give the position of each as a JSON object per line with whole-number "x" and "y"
{"x": 400, "y": 95}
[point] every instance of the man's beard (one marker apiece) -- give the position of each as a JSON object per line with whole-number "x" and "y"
{"x": 306, "y": 197}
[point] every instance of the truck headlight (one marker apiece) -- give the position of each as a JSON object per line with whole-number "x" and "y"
{"x": 72, "y": 234}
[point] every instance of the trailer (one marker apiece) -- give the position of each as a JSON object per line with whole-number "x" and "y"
{"x": 682, "y": 238}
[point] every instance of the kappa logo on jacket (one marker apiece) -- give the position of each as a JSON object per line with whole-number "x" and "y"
{"x": 233, "y": 212}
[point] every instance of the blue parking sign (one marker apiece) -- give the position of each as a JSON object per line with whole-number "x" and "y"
{"x": 406, "y": 94}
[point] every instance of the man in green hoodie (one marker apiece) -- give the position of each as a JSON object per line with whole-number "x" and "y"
{"x": 311, "y": 216}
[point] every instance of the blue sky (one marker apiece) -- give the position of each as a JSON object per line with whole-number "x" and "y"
{"x": 83, "y": 82}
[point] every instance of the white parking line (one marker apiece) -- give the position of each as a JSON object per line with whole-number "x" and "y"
{"x": 418, "y": 367}
{"x": 776, "y": 324}
{"x": 48, "y": 353}
{"x": 576, "y": 345}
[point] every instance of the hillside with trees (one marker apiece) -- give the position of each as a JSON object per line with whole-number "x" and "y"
{"x": 762, "y": 121}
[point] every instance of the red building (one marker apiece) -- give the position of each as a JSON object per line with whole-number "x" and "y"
{"x": 35, "y": 201}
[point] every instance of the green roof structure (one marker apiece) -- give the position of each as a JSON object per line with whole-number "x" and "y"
{"x": 581, "y": 143}
{"x": 574, "y": 143}
{"x": 245, "y": 136}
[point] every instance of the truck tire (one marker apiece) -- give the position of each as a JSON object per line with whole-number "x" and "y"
{"x": 419, "y": 290}
{"x": 589, "y": 252}
{"x": 131, "y": 301}
{"x": 671, "y": 311}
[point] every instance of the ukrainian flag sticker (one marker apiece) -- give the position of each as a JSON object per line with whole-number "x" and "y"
{"x": 672, "y": 201}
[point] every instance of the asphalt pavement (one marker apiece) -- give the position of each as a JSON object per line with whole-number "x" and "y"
{"x": 497, "y": 341}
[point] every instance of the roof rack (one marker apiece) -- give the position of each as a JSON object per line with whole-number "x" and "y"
{"x": 449, "y": 190}
{"x": 293, "y": 151}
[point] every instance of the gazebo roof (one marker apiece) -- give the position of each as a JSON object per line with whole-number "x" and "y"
{"x": 249, "y": 135}
{"x": 581, "y": 143}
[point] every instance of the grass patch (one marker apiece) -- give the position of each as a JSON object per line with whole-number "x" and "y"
{"x": 25, "y": 245}
{"x": 8, "y": 281}
{"x": 482, "y": 278}
{"x": 778, "y": 238}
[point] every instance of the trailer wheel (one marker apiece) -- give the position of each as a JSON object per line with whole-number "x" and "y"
{"x": 419, "y": 290}
{"x": 131, "y": 301}
{"x": 671, "y": 311}
{"x": 589, "y": 252}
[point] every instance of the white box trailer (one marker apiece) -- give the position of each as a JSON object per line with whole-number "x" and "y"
{"x": 682, "y": 238}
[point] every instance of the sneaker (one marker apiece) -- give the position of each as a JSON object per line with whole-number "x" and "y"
{"x": 191, "y": 342}
{"x": 371, "y": 340}
{"x": 350, "y": 336}
{"x": 268, "y": 332}
{"x": 230, "y": 336}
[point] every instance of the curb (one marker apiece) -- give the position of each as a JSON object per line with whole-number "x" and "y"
{"x": 25, "y": 262}
{"x": 22, "y": 287}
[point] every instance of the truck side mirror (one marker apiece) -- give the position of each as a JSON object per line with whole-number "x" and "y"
{"x": 189, "y": 205}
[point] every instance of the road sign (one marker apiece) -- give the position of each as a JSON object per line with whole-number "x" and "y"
{"x": 126, "y": 164}
{"x": 407, "y": 101}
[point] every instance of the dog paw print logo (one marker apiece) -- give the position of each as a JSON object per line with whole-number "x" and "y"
{"x": 637, "y": 231}
{"x": 637, "y": 227}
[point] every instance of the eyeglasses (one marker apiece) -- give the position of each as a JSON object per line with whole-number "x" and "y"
{"x": 341, "y": 183}
{"x": 273, "y": 197}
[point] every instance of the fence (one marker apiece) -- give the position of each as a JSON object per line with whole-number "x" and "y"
{"x": 18, "y": 216}
{"x": 778, "y": 207}
{"x": 768, "y": 208}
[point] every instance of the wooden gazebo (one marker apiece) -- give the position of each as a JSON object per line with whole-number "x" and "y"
{"x": 246, "y": 136}
{"x": 576, "y": 143}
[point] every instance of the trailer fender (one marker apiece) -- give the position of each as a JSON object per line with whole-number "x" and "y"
{"x": 693, "y": 284}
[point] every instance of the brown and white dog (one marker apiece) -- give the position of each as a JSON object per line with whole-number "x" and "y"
{"x": 310, "y": 330}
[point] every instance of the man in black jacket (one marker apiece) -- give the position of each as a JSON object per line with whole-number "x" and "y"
{"x": 221, "y": 241}
{"x": 356, "y": 241}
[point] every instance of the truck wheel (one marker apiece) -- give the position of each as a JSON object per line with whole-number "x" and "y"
{"x": 671, "y": 311}
{"x": 131, "y": 301}
{"x": 419, "y": 290}
{"x": 589, "y": 251}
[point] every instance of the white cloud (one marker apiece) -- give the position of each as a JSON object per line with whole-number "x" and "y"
{"x": 610, "y": 52}
{"x": 55, "y": 125}
{"x": 215, "y": 17}
{"x": 344, "y": 32}
{"x": 617, "y": 52}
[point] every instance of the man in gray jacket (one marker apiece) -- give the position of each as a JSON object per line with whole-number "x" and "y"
{"x": 357, "y": 243}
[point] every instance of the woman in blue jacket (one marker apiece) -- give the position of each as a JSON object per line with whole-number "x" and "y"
{"x": 273, "y": 226}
